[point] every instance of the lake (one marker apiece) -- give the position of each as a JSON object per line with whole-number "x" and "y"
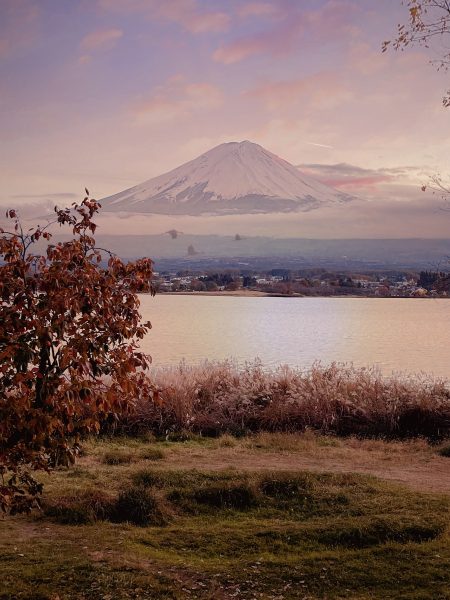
{"x": 409, "y": 335}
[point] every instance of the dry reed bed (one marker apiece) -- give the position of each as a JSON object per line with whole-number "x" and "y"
{"x": 217, "y": 398}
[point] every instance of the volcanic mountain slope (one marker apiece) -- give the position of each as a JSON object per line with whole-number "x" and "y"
{"x": 232, "y": 178}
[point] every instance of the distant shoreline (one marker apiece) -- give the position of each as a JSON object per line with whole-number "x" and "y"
{"x": 260, "y": 294}
{"x": 248, "y": 293}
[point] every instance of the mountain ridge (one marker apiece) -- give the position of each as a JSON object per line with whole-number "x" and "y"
{"x": 231, "y": 178}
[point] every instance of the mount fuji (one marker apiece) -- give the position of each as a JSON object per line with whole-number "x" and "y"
{"x": 232, "y": 178}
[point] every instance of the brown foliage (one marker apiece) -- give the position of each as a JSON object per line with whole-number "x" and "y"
{"x": 217, "y": 398}
{"x": 69, "y": 324}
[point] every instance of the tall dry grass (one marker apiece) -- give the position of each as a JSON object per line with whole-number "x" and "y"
{"x": 217, "y": 398}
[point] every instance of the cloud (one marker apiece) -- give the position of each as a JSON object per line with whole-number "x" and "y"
{"x": 187, "y": 13}
{"x": 275, "y": 41}
{"x": 321, "y": 90}
{"x": 19, "y": 26}
{"x": 103, "y": 39}
{"x": 257, "y": 9}
{"x": 37, "y": 206}
{"x": 100, "y": 40}
{"x": 207, "y": 22}
{"x": 421, "y": 216}
{"x": 41, "y": 196}
{"x": 237, "y": 51}
{"x": 84, "y": 59}
{"x": 177, "y": 98}
{"x": 376, "y": 114}
{"x": 4, "y": 47}
{"x": 351, "y": 171}
{"x": 31, "y": 211}
{"x": 399, "y": 184}
{"x": 325, "y": 23}
{"x": 357, "y": 182}
{"x": 343, "y": 171}
{"x": 124, "y": 6}
{"x": 405, "y": 171}
{"x": 364, "y": 59}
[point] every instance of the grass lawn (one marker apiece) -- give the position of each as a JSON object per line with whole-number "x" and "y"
{"x": 129, "y": 521}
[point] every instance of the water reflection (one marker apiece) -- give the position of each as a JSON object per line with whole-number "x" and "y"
{"x": 395, "y": 334}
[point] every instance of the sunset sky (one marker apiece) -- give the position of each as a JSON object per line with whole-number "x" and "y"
{"x": 108, "y": 93}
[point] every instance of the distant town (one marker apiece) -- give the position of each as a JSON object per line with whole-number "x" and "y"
{"x": 311, "y": 282}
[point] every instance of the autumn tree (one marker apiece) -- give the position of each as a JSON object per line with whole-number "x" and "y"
{"x": 428, "y": 25}
{"x": 69, "y": 327}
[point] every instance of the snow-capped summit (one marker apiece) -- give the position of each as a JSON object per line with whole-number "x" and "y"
{"x": 232, "y": 178}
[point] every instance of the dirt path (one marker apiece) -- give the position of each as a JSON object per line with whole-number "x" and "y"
{"x": 422, "y": 471}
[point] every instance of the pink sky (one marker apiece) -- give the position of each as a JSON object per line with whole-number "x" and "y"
{"x": 108, "y": 93}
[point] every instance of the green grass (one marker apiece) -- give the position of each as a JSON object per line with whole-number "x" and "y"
{"x": 139, "y": 530}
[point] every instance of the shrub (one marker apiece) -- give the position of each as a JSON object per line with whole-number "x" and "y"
{"x": 220, "y": 398}
{"x": 118, "y": 457}
{"x": 138, "y": 505}
{"x": 285, "y": 486}
{"x": 152, "y": 454}
{"x": 238, "y": 496}
{"x": 227, "y": 441}
{"x": 80, "y": 508}
{"x": 445, "y": 451}
{"x": 148, "y": 479}
{"x": 378, "y": 531}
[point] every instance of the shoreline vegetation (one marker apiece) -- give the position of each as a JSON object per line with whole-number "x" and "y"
{"x": 249, "y": 294}
{"x": 332, "y": 483}
{"x": 257, "y": 293}
{"x": 301, "y": 283}
{"x": 216, "y": 398}
{"x": 243, "y": 293}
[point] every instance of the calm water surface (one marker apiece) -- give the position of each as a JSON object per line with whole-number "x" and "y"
{"x": 410, "y": 335}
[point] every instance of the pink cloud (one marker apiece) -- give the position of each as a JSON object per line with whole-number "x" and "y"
{"x": 356, "y": 182}
{"x": 187, "y": 13}
{"x": 322, "y": 90}
{"x": 4, "y": 47}
{"x": 19, "y": 11}
{"x": 191, "y": 17}
{"x": 275, "y": 41}
{"x": 19, "y": 25}
{"x": 366, "y": 60}
{"x": 124, "y": 5}
{"x": 84, "y": 59}
{"x": 358, "y": 179}
{"x": 237, "y": 51}
{"x": 177, "y": 98}
{"x": 103, "y": 39}
{"x": 204, "y": 22}
{"x": 332, "y": 19}
{"x": 257, "y": 9}
{"x": 325, "y": 23}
